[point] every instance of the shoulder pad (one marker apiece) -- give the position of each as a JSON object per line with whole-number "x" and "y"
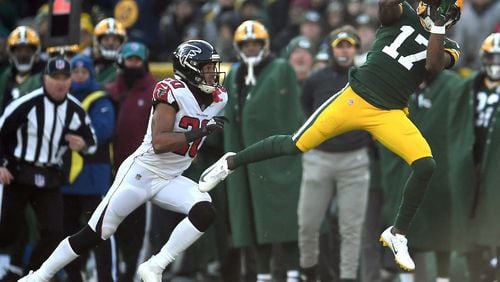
{"x": 166, "y": 90}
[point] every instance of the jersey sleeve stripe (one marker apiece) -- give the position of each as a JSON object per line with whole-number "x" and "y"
{"x": 454, "y": 54}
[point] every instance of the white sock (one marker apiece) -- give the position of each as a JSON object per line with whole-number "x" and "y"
{"x": 264, "y": 277}
{"x": 292, "y": 276}
{"x": 406, "y": 277}
{"x": 182, "y": 237}
{"x": 59, "y": 258}
{"x": 442, "y": 279}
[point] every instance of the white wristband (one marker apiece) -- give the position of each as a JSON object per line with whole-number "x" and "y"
{"x": 436, "y": 29}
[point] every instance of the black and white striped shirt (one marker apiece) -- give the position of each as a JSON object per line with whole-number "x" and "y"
{"x": 32, "y": 128}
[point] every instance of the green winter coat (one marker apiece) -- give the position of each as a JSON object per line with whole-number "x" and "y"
{"x": 484, "y": 226}
{"x": 30, "y": 84}
{"x": 432, "y": 227}
{"x": 107, "y": 75}
{"x": 262, "y": 197}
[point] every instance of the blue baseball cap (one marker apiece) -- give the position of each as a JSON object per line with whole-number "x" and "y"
{"x": 134, "y": 49}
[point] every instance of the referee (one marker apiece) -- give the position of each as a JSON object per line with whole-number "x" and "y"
{"x": 35, "y": 131}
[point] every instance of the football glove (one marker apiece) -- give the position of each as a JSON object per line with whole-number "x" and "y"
{"x": 448, "y": 13}
{"x": 216, "y": 124}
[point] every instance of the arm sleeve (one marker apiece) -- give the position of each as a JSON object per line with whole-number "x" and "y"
{"x": 452, "y": 48}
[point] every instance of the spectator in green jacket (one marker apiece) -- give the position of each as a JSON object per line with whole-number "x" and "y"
{"x": 475, "y": 177}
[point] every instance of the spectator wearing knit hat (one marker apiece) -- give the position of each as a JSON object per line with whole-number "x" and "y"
{"x": 300, "y": 55}
{"x": 311, "y": 27}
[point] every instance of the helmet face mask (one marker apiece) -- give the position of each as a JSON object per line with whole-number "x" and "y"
{"x": 23, "y": 48}
{"x": 490, "y": 56}
{"x": 211, "y": 77}
{"x": 491, "y": 65}
{"x": 23, "y": 57}
{"x": 197, "y": 62}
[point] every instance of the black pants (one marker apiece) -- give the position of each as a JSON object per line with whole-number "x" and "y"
{"x": 77, "y": 211}
{"x": 47, "y": 204}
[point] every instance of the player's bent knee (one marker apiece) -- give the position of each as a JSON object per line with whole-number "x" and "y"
{"x": 202, "y": 215}
{"x": 424, "y": 167}
{"x": 84, "y": 240}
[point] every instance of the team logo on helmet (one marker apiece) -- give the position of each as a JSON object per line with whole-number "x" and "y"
{"x": 186, "y": 54}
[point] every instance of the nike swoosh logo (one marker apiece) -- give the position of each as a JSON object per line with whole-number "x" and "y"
{"x": 394, "y": 248}
{"x": 204, "y": 175}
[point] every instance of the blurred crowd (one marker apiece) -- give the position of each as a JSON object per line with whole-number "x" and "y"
{"x": 162, "y": 25}
{"x": 114, "y": 53}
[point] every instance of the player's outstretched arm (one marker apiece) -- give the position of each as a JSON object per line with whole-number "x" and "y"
{"x": 437, "y": 59}
{"x": 389, "y": 11}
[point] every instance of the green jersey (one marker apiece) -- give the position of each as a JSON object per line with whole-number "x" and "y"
{"x": 395, "y": 64}
{"x": 10, "y": 90}
{"x": 107, "y": 75}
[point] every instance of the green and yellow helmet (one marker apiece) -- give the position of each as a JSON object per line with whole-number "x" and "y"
{"x": 23, "y": 36}
{"x": 108, "y": 26}
{"x": 251, "y": 31}
{"x": 490, "y": 56}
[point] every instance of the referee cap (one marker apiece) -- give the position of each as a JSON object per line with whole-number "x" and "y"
{"x": 58, "y": 65}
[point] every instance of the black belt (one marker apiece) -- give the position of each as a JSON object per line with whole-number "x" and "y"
{"x": 39, "y": 164}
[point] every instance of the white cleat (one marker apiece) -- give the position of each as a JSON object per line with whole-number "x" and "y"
{"x": 215, "y": 174}
{"x": 147, "y": 274}
{"x": 31, "y": 277}
{"x": 399, "y": 247}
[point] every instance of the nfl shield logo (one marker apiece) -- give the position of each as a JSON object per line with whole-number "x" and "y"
{"x": 39, "y": 180}
{"x": 59, "y": 64}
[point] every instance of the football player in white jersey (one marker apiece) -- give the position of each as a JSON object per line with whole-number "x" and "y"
{"x": 183, "y": 114}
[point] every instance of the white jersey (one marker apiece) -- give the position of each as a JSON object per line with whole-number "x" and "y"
{"x": 189, "y": 116}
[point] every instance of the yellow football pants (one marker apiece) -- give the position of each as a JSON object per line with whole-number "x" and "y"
{"x": 347, "y": 111}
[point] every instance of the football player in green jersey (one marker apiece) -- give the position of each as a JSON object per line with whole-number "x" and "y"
{"x": 475, "y": 127}
{"x": 409, "y": 46}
